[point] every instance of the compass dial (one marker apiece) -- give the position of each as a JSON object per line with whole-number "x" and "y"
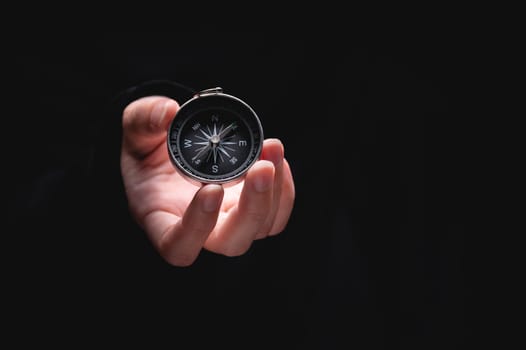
{"x": 214, "y": 138}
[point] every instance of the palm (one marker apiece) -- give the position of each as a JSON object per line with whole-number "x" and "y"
{"x": 180, "y": 217}
{"x": 162, "y": 188}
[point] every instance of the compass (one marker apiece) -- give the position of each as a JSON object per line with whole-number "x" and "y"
{"x": 214, "y": 138}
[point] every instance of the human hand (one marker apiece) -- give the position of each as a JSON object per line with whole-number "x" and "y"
{"x": 181, "y": 218}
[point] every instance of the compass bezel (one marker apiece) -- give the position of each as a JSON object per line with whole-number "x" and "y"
{"x": 213, "y": 100}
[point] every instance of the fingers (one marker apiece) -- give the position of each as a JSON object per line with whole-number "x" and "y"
{"x": 145, "y": 122}
{"x": 238, "y": 230}
{"x": 284, "y": 191}
{"x": 181, "y": 242}
{"x": 262, "y": 208}
{"x": 273, "y": 151}
{"x": 286, "y": 202}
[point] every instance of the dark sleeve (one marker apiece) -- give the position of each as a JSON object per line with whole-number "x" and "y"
{"x": 71, "y": 205}
{"x": 72, "y": 250}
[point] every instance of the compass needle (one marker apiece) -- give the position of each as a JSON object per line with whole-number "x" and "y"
{"x": 200, "y": 152}
{"x": 215, "y": 153}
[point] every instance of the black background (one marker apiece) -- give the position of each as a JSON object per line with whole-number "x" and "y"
{"x": 373, "y": 256}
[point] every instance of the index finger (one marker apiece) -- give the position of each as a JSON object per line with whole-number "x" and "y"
{"x": 145, "y": 121}
{"x": 179, "y": 240}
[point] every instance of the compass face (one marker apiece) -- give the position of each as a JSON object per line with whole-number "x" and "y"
{"x": 214, "y": 138}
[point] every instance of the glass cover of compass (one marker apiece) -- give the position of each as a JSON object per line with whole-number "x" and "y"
{"x": 214, "y": 138}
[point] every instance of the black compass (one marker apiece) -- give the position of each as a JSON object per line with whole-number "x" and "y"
{"x": 214, "y": 138}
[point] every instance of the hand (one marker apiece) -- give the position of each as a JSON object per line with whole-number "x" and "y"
{"x": 181, "y": 218}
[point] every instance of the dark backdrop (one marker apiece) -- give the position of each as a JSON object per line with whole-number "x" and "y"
{"x": 372, "y": 258}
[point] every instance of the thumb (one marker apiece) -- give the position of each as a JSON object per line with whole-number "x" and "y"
{"x": 145, "y": 121}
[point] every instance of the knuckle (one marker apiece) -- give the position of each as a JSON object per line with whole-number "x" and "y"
{"x": 237, "y": 250}
{"x": 181, "y": 260}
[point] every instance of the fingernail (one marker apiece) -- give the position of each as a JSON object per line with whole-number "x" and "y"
{"x": 276, "y": 157}
{"x": 158, "y": 113}
{"x": 211, "y": 202}
{"x": 263, "y": 181}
